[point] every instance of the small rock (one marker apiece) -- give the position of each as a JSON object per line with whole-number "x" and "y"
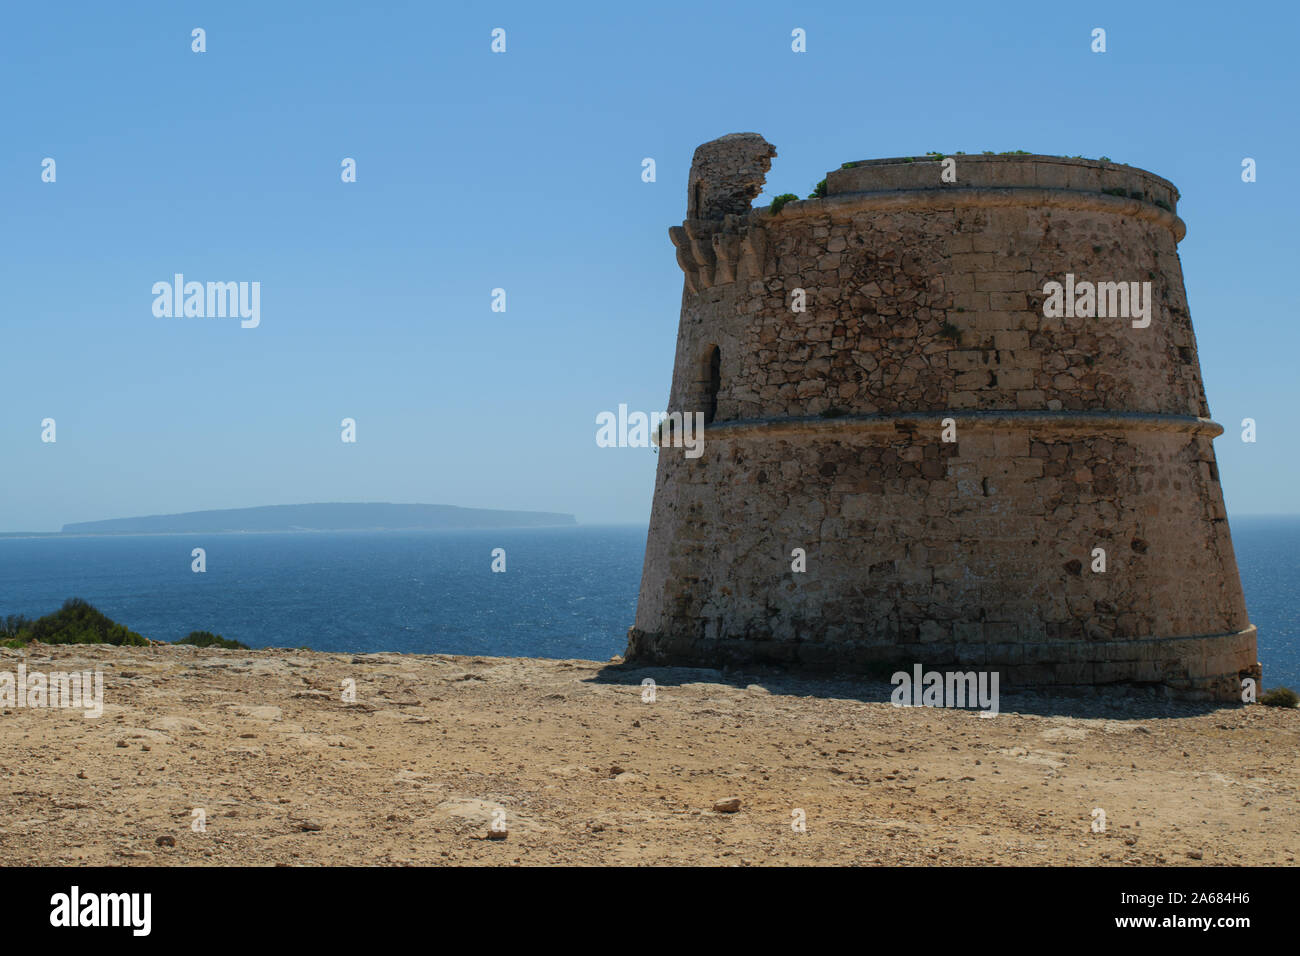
{"x": 497, "y": 834}
{"x": 259, "y": 712}
{"x": 1195, "y": 855}
{"x": 176, "y": 725}
{"x": 165, "y": 840}
{"x": 730, "y": 805}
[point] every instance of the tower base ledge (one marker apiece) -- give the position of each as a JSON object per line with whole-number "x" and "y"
{"x": 1200, "y": 667}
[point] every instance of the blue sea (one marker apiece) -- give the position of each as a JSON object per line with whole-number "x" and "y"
{"x": 566, "y": 592}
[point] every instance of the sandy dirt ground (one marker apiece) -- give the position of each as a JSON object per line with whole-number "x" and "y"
{"x": 581, "y": 770}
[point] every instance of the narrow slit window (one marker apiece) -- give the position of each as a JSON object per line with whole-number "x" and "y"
{"x": 714, "y": 383}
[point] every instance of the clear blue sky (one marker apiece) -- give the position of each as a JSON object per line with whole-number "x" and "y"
{"x": 523, "y": 171}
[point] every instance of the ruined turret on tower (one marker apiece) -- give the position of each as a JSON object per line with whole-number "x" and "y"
{"x": 954, "y": 416}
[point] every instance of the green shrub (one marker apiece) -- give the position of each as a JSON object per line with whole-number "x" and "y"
{"x": 77, "y": 622}
{"x": 1280, "y": 697}
{"x": 819, "y": 191}
{"x": 208, "y": 639}
{"x": 780, "y": 201}
{"x": 11, "y": 629}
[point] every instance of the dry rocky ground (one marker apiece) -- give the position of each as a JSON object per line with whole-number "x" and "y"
{"x": 586, "y": 772}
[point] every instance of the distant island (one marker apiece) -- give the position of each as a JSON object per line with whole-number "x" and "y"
{"x": 326, "y": 517}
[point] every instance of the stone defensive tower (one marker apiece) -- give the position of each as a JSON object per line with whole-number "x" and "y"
{"x": 952, "y": 453}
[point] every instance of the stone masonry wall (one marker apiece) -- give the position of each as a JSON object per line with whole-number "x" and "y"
{"x": 880, "y": 288}
{"x": 924, "y": 303}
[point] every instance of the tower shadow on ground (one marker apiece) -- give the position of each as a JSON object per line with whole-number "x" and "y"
{"x": 1103, "y": 703}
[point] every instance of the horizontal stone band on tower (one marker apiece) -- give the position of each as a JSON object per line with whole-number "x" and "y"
{"x": 991, "y": 197}
{"x": 830, "y": 345}
{"x": 1081, "y": 421}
